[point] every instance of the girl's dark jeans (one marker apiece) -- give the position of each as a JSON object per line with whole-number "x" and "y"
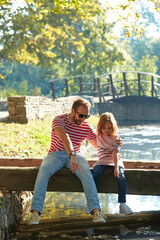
{"x": 121, "y": 183}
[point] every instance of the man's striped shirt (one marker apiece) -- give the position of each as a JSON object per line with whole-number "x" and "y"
{"x": 77, "y": 133}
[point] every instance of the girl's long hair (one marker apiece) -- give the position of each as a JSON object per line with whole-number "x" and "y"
{"x": 104, "y": 118}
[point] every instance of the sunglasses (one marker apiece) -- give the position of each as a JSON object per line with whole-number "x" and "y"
{"x": 82, "y": 115}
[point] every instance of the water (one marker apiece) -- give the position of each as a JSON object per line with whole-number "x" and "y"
{"x": 64, "y": 213}
{"x": 140, "y": 142}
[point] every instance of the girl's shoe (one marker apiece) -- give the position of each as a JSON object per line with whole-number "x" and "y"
{"x": 124, "y": 209}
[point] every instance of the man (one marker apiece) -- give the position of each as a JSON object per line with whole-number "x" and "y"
{"x": 68, "y": 132}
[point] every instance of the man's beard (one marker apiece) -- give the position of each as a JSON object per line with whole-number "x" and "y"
{"x": 77, "y": 121}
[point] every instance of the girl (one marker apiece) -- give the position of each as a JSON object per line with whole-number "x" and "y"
{"x": 108, "y": 157}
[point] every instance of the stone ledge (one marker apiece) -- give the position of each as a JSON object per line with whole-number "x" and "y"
{"x": 25, "y": 108}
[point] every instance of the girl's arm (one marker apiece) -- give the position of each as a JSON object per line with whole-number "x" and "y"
{"x": 119, "y": 141}
{"x": 115, "y": 159}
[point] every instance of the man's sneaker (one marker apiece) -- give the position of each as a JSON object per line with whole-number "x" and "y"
{"x": 34, "y": 219}
{"x": 99, "y": 217}
{"x": 87, "y": 210}
{"x": 124, "y": 209}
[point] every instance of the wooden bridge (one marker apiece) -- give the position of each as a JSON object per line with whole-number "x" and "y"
{"x": 111, "y": 86}
{"x": 19, "y": 174}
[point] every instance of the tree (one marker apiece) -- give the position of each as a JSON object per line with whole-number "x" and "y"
{"x": 47, "y": 39}
{"x": 30, "y": 33}
{"x": 155, "y": 51}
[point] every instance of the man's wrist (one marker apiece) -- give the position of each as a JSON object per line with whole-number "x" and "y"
{"x": 72, "y": 153}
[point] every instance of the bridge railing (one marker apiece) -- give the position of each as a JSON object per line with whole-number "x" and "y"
{"x": 112, "y": 85}
{"x": 74, "y": 85}
{"x": 129, "y": 84}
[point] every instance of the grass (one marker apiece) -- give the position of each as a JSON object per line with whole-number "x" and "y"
{"x": 28, "y": 140}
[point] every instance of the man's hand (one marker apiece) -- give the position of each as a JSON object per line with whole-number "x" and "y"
{"x": 74, "y": 164}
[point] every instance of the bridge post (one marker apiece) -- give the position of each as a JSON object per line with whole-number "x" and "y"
{"x": 80, "y": 84}
{"x": 99, "y": 90}
{"x": 66, "y": 84}
{"x": 139, "y": 85}
{"x": 53, "y": 91}
{"x": 94, "y": 87}
{"x": 108, "y": 85}
{"x": 152, "y": 86}
{"x": 121, "y": 90}
{"x": 112, "y": 87}
{"x": 153, "y": 89}
{"x": 125, "y": 84}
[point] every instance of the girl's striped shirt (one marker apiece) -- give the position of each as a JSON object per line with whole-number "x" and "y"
{"x": 106, "y": 145}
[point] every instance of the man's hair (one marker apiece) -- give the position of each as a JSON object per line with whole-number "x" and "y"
{"x": 104, "y": 118}
{"x": 81, "y": 102}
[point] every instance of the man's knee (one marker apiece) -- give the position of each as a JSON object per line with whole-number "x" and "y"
{"x": 83, "y": 164}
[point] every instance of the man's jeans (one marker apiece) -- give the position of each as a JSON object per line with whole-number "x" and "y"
{"x": 50, "y": 165}
{"x": 121, "y": 183}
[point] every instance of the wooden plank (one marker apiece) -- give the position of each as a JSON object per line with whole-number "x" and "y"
{"x": 131, "y": 164}
{"x": 20, "y": 162}
{"x": 117, "y": 224}
{"x": 36, "y": 162}
{"x": 138, "y": 181}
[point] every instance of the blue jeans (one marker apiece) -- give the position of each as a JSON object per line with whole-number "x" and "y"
{"x": 50, "y": 165}
{"x": 121, "y": 183}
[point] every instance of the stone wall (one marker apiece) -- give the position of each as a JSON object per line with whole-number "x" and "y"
{"x": 140, "y": 112}
{"x": 24, "y": 108}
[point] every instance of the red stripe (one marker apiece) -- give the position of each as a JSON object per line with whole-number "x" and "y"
{"x": 77, "y": 133}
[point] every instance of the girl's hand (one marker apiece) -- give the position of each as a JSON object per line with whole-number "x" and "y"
{"x": 116, "y": 172}
{"x": 119, "y": 141}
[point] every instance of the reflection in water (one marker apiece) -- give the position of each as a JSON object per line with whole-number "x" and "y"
{"x": 63, "y": 217}
{"x": 143, "y": 225}
{"x": 59, "y": 204}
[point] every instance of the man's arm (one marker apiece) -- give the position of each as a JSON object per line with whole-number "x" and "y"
{"x": 64, "y": 137}
{"x": 93, "y": 142}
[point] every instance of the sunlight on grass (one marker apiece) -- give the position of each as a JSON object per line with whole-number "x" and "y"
{"x": 25, "y": 140}
{"x": 29, "y": 140}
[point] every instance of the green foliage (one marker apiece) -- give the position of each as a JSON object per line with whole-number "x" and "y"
{"x": 146, "y": 49}
{"x": 8, "y": 92}
{"x": 23, "y": 87}
{"x": 21, "y": 79}
{"x": 148, "y": 64}
{"x": 43, "y": 40}
{"x": 39, "y": 31}
{"x": 155, "y": 51}
{"x": 35, "y": 92}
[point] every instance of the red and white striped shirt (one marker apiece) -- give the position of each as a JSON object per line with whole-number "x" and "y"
{"x": 77, "y": 133}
